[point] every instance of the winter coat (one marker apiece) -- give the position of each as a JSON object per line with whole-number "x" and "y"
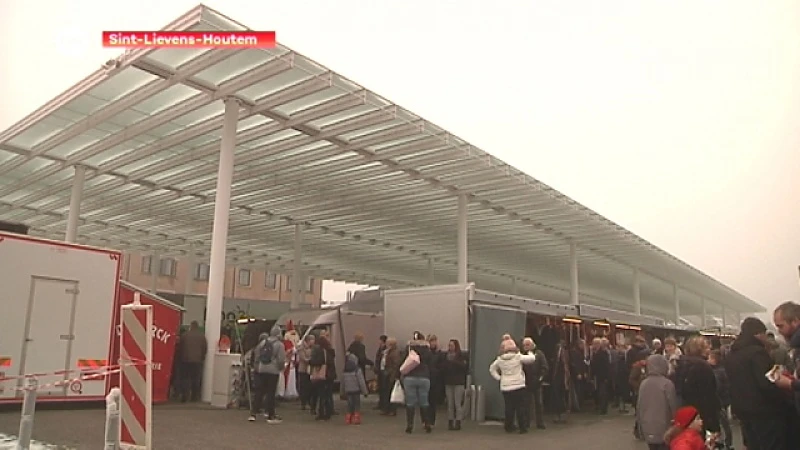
{"x": 393, "y": 363}
{"x": 194, "y": 347}
{"x": 536, "y": 371}
{"x": 454, "y": 371}
{"x": 756, "y": 397}
{"x": 657, "y": 402}
{"x": 507, "y": 369}
{"x": 353, "y": 381}
{"x": 359, "y": 350}
{"x": 688, "y": 439}
{"x": 600, "y": 366}
{"x": 696, "y": 385}
{"x": 303, "y": 358}
{"x": 320, "y": 356}
{"x": 278, "y": 363}
{"x": 423, "y": 349}
{"x": 723, "y": 386}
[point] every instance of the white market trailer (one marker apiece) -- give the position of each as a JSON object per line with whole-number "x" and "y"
{"x": 58, "y": 309}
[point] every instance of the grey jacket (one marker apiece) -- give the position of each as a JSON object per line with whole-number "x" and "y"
{"x": 657, "y": 402}
{"x": 353, "y": 378}
{"x": 278, "y": 353}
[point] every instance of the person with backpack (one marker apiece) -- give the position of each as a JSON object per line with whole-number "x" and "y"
{"x": 268, "y": 360}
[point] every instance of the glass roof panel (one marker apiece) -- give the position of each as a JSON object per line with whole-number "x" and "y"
{"x": 121, "y": 84}
{"x": 40, "y": 131}
{"x": 127, "y": 118}
{"x": 273, "y": 84}
{"x": 235, "y": 65}
{"x": 85, "y": 104}
{"x": 309, "y": 100}
{"x": 340, "y": 116}
{"x": 165, "y": 99}
{"x": 211, "y": 110}
{"x": 77, "y": 143}
{"x": 176, "y": 57}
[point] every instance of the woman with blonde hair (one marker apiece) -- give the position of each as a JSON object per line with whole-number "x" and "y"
{"x": 507, "y": 369}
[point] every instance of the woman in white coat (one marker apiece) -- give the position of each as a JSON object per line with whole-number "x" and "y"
{"x": 507, "y": 369}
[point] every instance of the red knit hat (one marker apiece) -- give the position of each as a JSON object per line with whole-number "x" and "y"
{"x": 685, "y": 416}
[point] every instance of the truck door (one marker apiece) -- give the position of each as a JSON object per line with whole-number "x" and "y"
{"x": 489, "y": 324}
{"x": 49, "y": 331}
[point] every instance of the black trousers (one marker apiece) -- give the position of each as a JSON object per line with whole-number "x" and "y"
{"x": 602, "y": 395}
{"x": 192, "y": 380}
{"x": 515, "y": 408}
{"x": 768, "y": 433}
{"x": 383, "y": 392}
{"x": 266, "y": 385}
{"x": 658, "y": 446}
{"x": 324, "y": 390}
{"x": 305, "y": 389}
{"x": 533, "y": 406}
{"x": 436, "y": 396}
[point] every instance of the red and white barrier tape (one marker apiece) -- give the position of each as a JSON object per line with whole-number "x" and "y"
{"x": 69, "y": 382}
{"x": 133, "y": 362}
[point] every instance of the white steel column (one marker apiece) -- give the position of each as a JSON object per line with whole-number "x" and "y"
{"x": 513, "y": 285}
{"x": 677, "y": 303}
{"x": 704, "y": 312}
{"x": 219, "y": 241}
{"x": 190, "y": 260}
{"x": 297, "y": 276}
{"x": 155, "y": 268}
{"x": 724, "y": 313}
{"x": 431, "y": 272}
{"x": 574, "y": 289}
{"x": 75, "y": 204}
{"x": 637, "y": 293}
{"x": 738, "y": 316}
{"x": 462, "y": 238}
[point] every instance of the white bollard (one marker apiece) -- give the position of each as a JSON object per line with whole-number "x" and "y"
{"x": 112, "y": 420}
{"x": 26, "y": 421}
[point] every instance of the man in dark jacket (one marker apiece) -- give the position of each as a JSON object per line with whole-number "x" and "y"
{"x": 194, "y": 347}
{"x": 534, "y": 375}
{"x": 600, "y": 368}
{"x": 380, "y": 375}
{"x": 787, "y": 320}
{"x": 757, "y": 403}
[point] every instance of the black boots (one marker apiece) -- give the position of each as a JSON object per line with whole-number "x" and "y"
{"x": 410, "y": 412}
{"x": 424, "y": 414}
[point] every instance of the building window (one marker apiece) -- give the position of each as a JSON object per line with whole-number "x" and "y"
{"x": 147, "y": 263}
{"x": 244, "y": 277}
{"x": 201, "y": 272}
{"x": 310, "y": 285}
{"x": 168, "y": 267}
{"x": 271, "y": 280}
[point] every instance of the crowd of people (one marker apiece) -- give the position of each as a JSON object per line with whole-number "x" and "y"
{"x": 684, "y": 394}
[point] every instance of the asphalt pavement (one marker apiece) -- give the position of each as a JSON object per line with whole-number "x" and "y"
{"x": 197, "y": 426}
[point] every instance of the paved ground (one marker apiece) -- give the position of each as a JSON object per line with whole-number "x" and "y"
{"x": 179, "y": 427}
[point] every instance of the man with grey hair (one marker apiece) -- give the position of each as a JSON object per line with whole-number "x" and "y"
{"x": 534, "y": 376}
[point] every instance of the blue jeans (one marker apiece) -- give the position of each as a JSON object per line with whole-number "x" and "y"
{"x": 416, "y": 390}
{"x": 354, "y": 403}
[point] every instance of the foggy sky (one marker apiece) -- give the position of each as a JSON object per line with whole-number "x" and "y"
{"x": 678, "y": 120}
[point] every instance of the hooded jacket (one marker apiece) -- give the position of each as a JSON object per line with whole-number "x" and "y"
{"x": 278, "y": 353}
{"x": 657, "y": 402}
{"x": 507, "y": 369}
{"x": 353, "y": 378}
{"x": 755, "y": 396}
{"x": 423, "y": 349}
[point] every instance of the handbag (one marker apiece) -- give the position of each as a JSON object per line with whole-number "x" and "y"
{"x": 398, "y": 395}
{"x": 320, "y": 373}
{"x": 411, "y": 362}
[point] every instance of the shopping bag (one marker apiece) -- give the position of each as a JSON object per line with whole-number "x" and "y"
{"x": 411, "y": 363}
{"x": 398, "y": 395}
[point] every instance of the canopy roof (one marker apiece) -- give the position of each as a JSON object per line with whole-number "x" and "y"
{"x": 375, "y": 185}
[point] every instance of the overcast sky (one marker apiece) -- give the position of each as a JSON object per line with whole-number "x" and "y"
{"x": 678, "y": 120}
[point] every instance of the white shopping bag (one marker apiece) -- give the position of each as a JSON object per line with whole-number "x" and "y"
{"x": 398, "y": 395}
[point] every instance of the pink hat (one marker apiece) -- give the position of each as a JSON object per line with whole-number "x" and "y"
{"x": 509, "y": 346}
